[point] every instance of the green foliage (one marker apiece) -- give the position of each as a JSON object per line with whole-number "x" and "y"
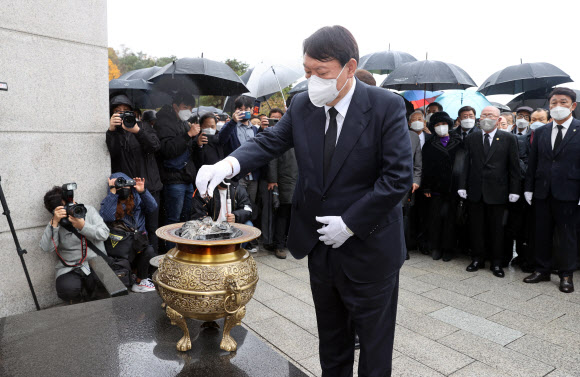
{"x": 239, "y": 67}
{"x": 128, "y": 60}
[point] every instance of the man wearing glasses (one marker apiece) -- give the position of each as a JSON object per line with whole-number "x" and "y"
{"x": 523, "y": 116}
{"x": 490, "y": 179}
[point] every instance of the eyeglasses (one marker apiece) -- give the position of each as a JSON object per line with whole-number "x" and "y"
{"x": 522, "y": 116}
{"x": 488, "y": 116}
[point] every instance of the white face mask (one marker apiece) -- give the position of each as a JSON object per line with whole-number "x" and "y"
{"x": 536, "y": 125}
{"x": 184, "y": 114}
{"x": 560, "y": 112}
{"x": 522, "y": 123}
{"x": 487, "y": 124}
{"x": 219, "y": 125}
{"x": 323, "y": 91}
{"x": 208, "y": 131}
{"x": 467, "y": 123}
{"x": 417, "y": 125}
{"x": 428, "y": 117}
{"x": 442, "y": 130}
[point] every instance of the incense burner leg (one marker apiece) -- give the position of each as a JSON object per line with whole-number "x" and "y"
{"x": 228, "y": 343}
{"x": 184, "y": 344}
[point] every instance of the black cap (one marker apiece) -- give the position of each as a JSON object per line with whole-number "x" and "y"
{"x": 525, "y": 108}
{"x": 438, "y": 117}
{"x": 121, "y": 99}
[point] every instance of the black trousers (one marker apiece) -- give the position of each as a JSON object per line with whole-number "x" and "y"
{"x": 140, "y": 261}
{"x": 341, "y": 303}
{"x": 516, "y": 230}
{"x": 441, "y": 226}
{"x": 152, "y": 222}
{"x": 281, "y": 225}
{"x": 75, "y": 285}
{"x": 556, "y": 223}
{"x": 486, "y": 229}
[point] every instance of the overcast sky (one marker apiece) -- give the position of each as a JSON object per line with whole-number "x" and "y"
{"x": 479, "y": 36}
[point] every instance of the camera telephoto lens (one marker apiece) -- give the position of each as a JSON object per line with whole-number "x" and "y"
{"x": 128, "y": 118}
{"x": 79, "y": 211}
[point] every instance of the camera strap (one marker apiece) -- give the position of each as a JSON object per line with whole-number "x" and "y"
{"x": 88, "y": 243}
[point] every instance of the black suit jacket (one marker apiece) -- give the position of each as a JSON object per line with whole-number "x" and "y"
{"x": 459, "y": 131}
{"x": 493, "y": 177}
{"x": 371, "y": 171}
{"x": 555, "y": 172}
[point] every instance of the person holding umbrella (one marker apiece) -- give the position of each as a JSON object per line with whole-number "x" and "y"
{"x": 354, "y": 160}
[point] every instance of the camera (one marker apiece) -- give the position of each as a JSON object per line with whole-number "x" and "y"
{"x": 247, "y": 114}
{"x": 194, "y": 119}
{"x": 122, "y": 182}
{"x": 78, "y": 211}
{"x": 272, "y": 122}
{"x": 128, "y": 118}
{"x": 223, "y": 117}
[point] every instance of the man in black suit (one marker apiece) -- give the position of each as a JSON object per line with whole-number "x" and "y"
{"x": 467, "y": 116}
{"x": 490, "y": 179}
{"x": 355, "y": 165}
{"x": 553, "y": 180}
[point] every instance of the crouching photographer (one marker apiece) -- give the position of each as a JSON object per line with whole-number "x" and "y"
{"x": 124, "y": 209}
{"x": 70, "y": 230}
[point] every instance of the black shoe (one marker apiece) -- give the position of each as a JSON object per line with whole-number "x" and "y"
{"x": 497, "y": 271}
{"x": 537, "y": 277}
{"x": 566, "y": 284}
{"x": 447, "y": 255}
{"x": 474, "y": 266}
{"x": 436, "y": 254}
{"x": 407, "y": 257}
{"x": 356, "y": 342}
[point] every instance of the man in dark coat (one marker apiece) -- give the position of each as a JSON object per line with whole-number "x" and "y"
{"x": 553, "y": 180}
{"x": 355, "y": 165}
{"x": 466, "y": 115}
{"x": 490, "y": 179}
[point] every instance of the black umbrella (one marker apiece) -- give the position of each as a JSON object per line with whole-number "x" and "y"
{"x": 534, "y": 99}
{"x": 198, "y": 76}
{"x": 429, "y": 75}
{"x": 143, "y": 73}
{"x": 140, "y": 92}
{"x": 524, "y": 77}
{"x": 500, "y": 106}
{"x": 383, "y": 62}
{"x": 299, "y": 88}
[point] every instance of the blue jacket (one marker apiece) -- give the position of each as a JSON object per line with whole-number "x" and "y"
{"x": 144, "y": 203}
{"x": 228, "y": 137}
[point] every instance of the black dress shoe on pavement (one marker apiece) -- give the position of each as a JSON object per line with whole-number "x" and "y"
{"x": 566, "y": 284}
{"x": 436, "y": 254}
{"x": 407, "y": 257}
{"x": 356, "y": 342}
{"x": 447, "y": 255}
{"x": 497, "y": 271}
{"x": 537, "y": 277}
{"x": 474, "y": 266}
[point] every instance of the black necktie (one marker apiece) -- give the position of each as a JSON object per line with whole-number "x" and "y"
{"x": 486, "y": 144}
{"x": 519, "y": 133}
{"x": 330, "y": 140}
{"x": 558, "y": 137}
{"x": 464, "y": 135}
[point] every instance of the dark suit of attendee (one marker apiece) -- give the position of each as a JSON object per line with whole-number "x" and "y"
{"x": 409, "y": 199}
{"x": 489, "y": 178}
{"x": 464, "y": 133}
{"x": 554, "y": 179}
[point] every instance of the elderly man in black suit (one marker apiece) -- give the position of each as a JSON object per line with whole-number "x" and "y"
{"x": 553, "y": 182}
{"x": 490, "y": 179}
{"x": 355, "y": 165}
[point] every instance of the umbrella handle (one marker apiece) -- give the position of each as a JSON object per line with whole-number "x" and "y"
{"x": 279, "y": 86}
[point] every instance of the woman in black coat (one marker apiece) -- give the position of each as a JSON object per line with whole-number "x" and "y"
{"x": 442, "y": 156}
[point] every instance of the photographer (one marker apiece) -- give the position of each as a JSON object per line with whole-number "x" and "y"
{"x": 75, "y": 281}
{"x": 124, "y": 209}
{"x": 132, "y": 146}
{"x": 209, "y": 149}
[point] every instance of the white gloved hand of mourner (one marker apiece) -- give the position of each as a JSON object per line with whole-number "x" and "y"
{"x": 528, "y": 196}
{"x": 514, "y": 198}
{"x": 209, "y": 176}
{"x": 335, "y": 232}
{"x": 462, "y": 194}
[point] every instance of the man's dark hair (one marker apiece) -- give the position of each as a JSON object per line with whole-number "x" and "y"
{"x": 439, "y": 107}
{"x": 331, "y": 42}
{"x": 53, "y": 198}
{"x": 366, "y": 77}
{"x": 243, "y": 101}
{"x": 205, "y": 117}
{"x": 540, "y": 109}
{"x": 466, "y": 108}
{"x": 276, "y": 110}
{"x": 564, "y": 92}
{"x": 184, "y": 98}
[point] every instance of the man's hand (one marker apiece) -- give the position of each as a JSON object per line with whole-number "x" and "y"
{"x": 335, "y": 232}
{"x": 462, "y": 194}
{"x": 427, "y": 194}
{"x": 265, "y": 123}
{"x": 193, "y": 129}
{"x": 77, "y": 223}
{"x": 58, "y": 214}
{"x": 112, "y": 184}
{"x": 237, "y": 116}
{"x": 271, "y": 186}
{"x": 231, "y": 218}
{"x": 209, "y": 176}
{"x": 426, "y": 130}
{"x": 415, "y": 188}
{"x": 514, "y": 198}
{"x": 115, "y": 122}
{"x": 139, "y": 185}
{"x": 528, "y": 195}
{"x": 201, "y": 139}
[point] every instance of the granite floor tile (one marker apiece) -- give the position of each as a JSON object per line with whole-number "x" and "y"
{"x": 477, "y": 325}
{"x": 464, "y": 303}
{"x": 551, "y": 354}
{"x": 291, "y": 339}
{"x": 422, "y": 324}
{"x": 569, "y": 322}
{"x": 428, "y": 352}
{"x": 463, "y": 287}
{"x": 265, "y": 292}
{"x": 451, "y": 269}
{"x": 295, "y": 310}
{"x": 417, "y": 302}
{"x": 296, "y": 288}
{"x": 411, "y": 271}
{"x": 269, "y": 274}
{"x": 406, "y": 367}
{"x": 414, "y": 285}
{"x": 256, "y": 311}
{"x": 541, "y": 307}
{"x": 478, "y": 369}
{"x": 490, "y": 353}
{"x": 561, "y": 373}
{"x": 313, "y": 331}
{"x": 312, "y": 364}
{"x": 277, "y": 263}
{"x": 417, "y": 257}
{"x": 300, "y": 273}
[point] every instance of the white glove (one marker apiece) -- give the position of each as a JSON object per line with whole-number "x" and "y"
{"x": 462, "y": 194}
{"x": 528, "y": 196}
{"x": 514, "y": 198}
{"x": 335, "y": 233}
{"x": 209, "y": 176}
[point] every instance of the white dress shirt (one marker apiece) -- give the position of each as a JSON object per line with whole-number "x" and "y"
{"x": 422, "y": 138}
{"x": 491, "y": 135}
{"x": 523, "y": 132}
{"x": 224, "y": 206}
{"x": 565, "y": 125}
{"x": 342, "y": 108}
